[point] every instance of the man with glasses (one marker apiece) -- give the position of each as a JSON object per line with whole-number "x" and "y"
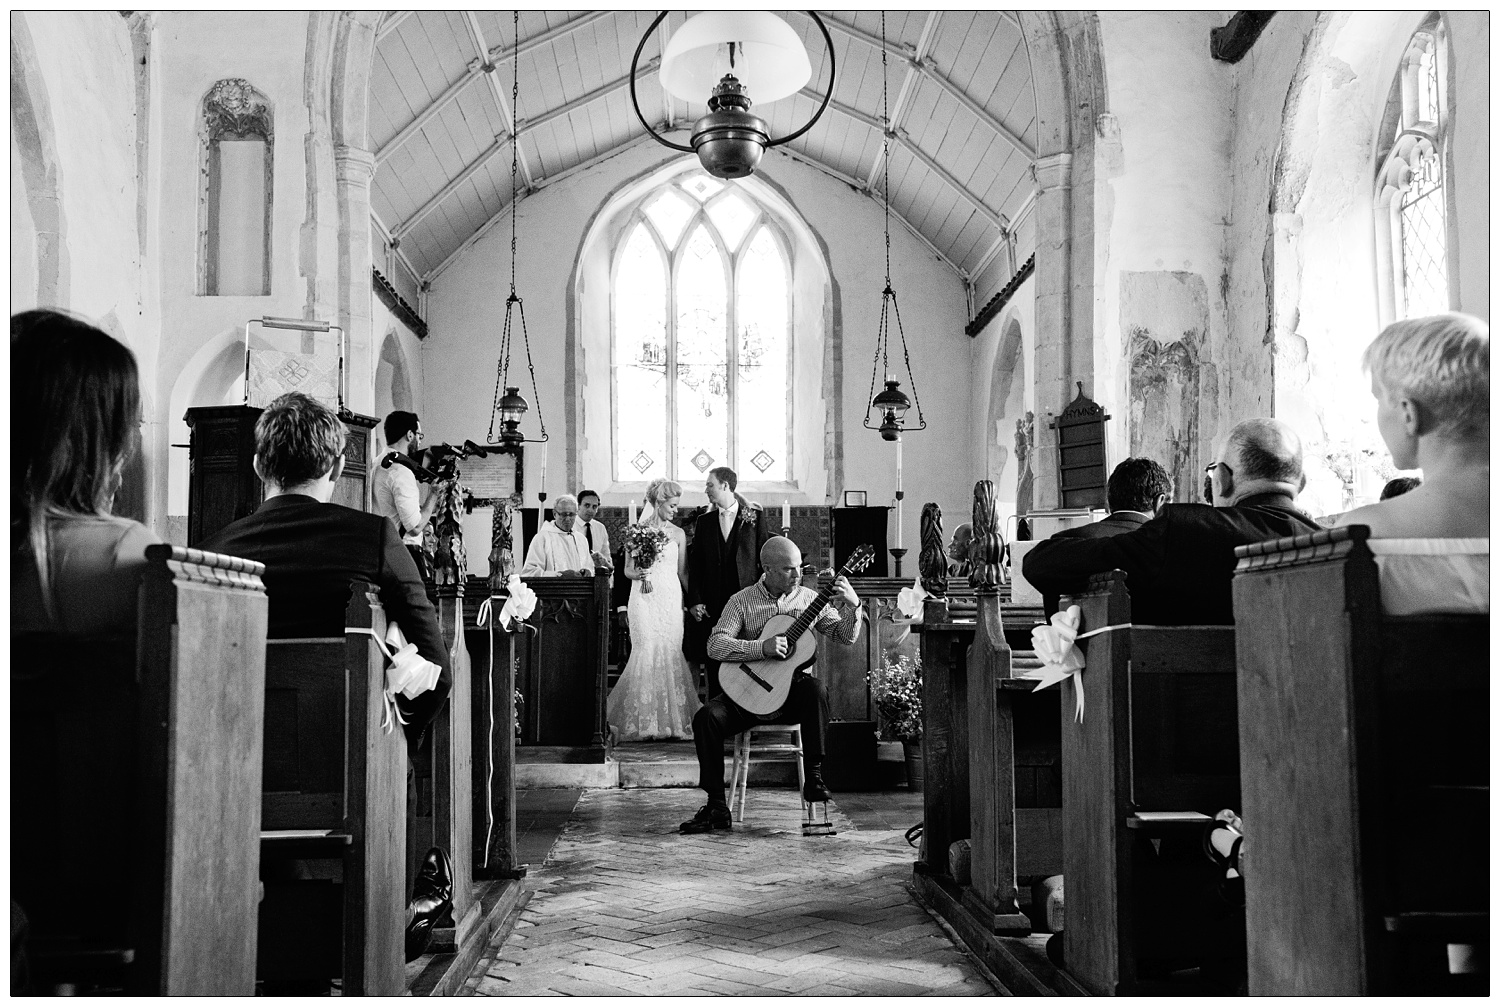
{"x": 1181, "y": 562}
{"x": 559, "y": 548}
{"x": 395, "y": 486}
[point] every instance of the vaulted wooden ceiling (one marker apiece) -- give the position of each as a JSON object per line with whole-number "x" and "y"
{"x": 960, "y": 89}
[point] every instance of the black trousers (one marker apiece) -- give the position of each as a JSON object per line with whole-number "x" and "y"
{"x": 721, "y": 718}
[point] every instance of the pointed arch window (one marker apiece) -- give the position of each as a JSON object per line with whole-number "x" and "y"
{"x": 701, "y": 307}
{"x": 1412, "y": 194}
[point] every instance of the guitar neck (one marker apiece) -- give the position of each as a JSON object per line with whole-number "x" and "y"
{"x": 805, "y": 620}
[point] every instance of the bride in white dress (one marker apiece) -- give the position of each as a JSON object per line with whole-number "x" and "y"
{"x": 657, "y": 693}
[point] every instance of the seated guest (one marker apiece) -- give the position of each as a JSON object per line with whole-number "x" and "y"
{"x": 1181, "y": 562}
{"x": 560, "y": 548}
{"x": 312, "y": 549}
{"x": 1431, "y": 381}
{"x": 734, "y": 638}
{"x": 75, "y": 420}
{"x": 1398, "y": 486}
{"x": 1137, "y": 489}
{"x": 958, "y": 550}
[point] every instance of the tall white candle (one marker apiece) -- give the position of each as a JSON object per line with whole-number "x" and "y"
{"x": 544, "y": 469}
{"x": 786, "y": 513}
{"x": 898, "y": 495}
{"x": 632, "y": 512}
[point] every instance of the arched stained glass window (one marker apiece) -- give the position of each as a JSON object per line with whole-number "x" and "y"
{"x": 702, "y": 313}
{"x": 1410, "y": 188}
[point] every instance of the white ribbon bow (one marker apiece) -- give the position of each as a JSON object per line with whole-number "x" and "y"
{"x": 1055, "y": 646}
{"x": 409, "y": 673}
{"x": 517, "y": 608}
{"x": 909, "y": 601}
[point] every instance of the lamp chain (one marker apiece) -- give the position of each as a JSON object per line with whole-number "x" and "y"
{"x": 885, "y": 172}
{"x": 515, "y": 120}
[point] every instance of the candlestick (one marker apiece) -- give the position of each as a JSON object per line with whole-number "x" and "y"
{"x": 899, "y": 495}
{"x": 544, "y": 470}
{"x": 786, "y": 515}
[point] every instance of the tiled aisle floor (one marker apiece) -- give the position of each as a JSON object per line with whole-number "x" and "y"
{"x": 625, "y": 905}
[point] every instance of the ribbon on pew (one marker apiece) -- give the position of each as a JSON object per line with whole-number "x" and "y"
{"x": 514, "y": 613}
{"x": 1061, "y": 659}
{"x": 409, "y": 674}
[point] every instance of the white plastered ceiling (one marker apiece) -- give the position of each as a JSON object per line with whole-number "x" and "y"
{"x": 960, "y": 90}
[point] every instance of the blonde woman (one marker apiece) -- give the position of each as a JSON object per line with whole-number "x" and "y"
{"x": 656, "y": 695}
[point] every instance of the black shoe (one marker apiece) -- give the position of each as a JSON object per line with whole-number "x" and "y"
{"x": 709, "y": 817}
{"x": 431, "y": 900}
{"x": 814, "y": 790}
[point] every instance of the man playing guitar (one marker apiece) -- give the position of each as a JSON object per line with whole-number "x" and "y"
{"x": 736, "y": 639}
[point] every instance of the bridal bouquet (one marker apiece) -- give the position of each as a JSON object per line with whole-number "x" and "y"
{"x": 646, "y": 543}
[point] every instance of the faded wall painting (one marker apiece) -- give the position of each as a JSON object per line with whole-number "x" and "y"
{"x": 1164, "y": 316}
{"x": 1007, "y": 405}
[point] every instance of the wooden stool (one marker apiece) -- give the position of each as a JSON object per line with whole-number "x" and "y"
{"x": 754, "y": 741}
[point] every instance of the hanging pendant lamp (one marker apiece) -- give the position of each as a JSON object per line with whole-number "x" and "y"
{"x": 891, "y": 403}
{"x": 732, "y": 56}
{"x": 510, "y": 406}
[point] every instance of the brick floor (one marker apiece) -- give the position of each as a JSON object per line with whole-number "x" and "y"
{"x": 624, "y": 905}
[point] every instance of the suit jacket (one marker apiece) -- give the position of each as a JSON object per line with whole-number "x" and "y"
{"x": 1115, "y": 524}
{"x": 312, "y": 551}
{"x": 720, "y": 568}
{"x": 1180, "y": 564}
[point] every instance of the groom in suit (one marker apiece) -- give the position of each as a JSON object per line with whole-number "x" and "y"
{"x": 725, "y": 554}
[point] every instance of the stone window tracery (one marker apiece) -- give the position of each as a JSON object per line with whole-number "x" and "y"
{"x": 701, "y": 318}
{"x": 234, "y": 234}
{"x": 1411, "y": 186}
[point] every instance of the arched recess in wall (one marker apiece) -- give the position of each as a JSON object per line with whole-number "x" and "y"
{"x": 236, "y": 136}
{"x": 38, "y": 228}
{"x": 1008, "y": 433}
{"x": 392, "y": 379}
{"x": 1323, "y": 297}
{"x": 213, "y": 376}
{"x": 815, "y": 368}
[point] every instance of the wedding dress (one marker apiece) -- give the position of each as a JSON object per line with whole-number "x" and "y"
{"x": 657, "y": 693}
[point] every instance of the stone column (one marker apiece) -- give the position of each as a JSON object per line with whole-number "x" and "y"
{"x": 1054, "y": 356}
{"x": 354, "y": 167}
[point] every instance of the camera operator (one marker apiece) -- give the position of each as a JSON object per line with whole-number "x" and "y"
{"x": 396, "y": 493}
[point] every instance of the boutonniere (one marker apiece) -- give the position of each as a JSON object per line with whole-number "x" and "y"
{"x": 748, "y": 511}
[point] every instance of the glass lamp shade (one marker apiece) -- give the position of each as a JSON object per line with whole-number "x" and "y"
{"x": 513, "y": 406}
{"x": 892, "y": 400}
{"x": 769, "y": 58}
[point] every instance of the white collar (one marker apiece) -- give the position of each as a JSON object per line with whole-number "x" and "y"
{"x": 734, "y": 505}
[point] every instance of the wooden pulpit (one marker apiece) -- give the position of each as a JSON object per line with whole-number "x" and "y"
{"x": 563, "y": 665}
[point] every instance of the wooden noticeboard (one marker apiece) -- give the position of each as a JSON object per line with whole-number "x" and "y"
{"x": 1082, "y": 469}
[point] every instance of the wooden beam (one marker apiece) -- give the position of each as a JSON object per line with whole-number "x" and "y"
{"x": 908, "y": 88}
{"x": 897, "y": 49}
{"x": 423, "y": 117}
{"x": 901, "y": 137}
{"x": 400, "y": 253}
{"x": 474, "y": 166}
{"x": 500, "y": 54}
{"x": 981, "y": 113}
{"x": 506, "y": 115}
{"x": 603, "y": 91}
{"x": 392, "y": 21}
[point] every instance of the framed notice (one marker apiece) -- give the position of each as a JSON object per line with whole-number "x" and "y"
{"x": 856, "y": 498}
{"x": 495, "y": 477}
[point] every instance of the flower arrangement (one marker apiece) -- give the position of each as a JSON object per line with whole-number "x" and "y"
{"x": 645, "y": 543}
{"x": 897, "y": 688}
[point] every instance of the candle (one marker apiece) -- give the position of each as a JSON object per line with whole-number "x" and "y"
{"x": 632, "y": 511}
{"x": 786, "y": 514}
{"x": 899, "y": 495}
{"x": 544, "y": 470}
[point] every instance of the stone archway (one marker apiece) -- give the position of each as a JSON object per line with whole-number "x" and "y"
{"x": 392, "y": 377}
{"x": 38, "y": 226}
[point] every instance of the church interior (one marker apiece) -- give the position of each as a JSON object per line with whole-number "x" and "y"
{"x": 938, "y": 275}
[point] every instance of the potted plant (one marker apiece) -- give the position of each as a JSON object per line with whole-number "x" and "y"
{"x": 897, "y": 690}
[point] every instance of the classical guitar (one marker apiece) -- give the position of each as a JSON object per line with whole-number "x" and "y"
{"x": 761, "y": 687}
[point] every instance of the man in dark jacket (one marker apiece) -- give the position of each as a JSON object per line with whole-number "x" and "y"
{"x": 1180, "y": 563}
{"x": 1138, "y": 488}
{"x": 312, "y": 549}
{"x": 724, "y": 555}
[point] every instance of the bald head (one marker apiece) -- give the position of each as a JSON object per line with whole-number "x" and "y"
{"x": 782, "y": 562}
{"x": 1263, "y": 455}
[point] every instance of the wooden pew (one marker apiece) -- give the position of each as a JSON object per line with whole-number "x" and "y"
{"x": 1154, "y": 759}
{"x": 135, "y": 762}
{"x": 333, "y": 796}
{"x": 1364, "y": 753}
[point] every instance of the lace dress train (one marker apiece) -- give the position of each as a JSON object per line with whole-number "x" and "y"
{"x": 657, "y": 693}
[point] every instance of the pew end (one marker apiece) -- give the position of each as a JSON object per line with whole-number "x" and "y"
{"x": 1368, "y": 804}
{"x": 333, "y": 853}
{"x": 135, "y": 765}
